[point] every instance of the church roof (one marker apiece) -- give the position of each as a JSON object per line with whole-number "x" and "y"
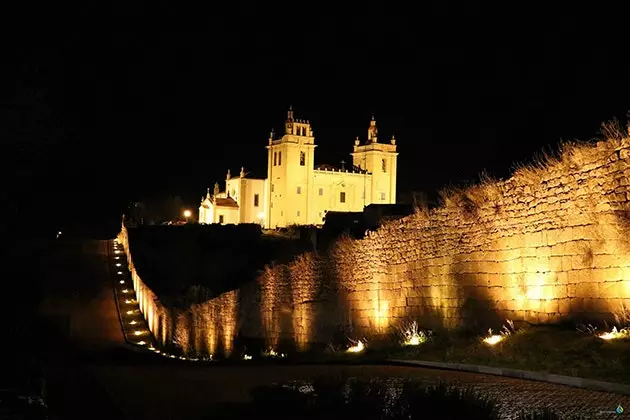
{"x": 225, "y": 202}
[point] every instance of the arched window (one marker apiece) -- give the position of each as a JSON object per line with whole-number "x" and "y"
{"x": 384, "y": 165}
{"x": 302, "y": 159}
{"x": 279, "y": 158}
{"x": 275, "y": 158}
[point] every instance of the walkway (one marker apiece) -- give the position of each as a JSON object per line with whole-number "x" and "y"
{"x": 113, "y": 381}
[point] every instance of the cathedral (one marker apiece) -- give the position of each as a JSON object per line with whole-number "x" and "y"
{"x": 296, "y": 192}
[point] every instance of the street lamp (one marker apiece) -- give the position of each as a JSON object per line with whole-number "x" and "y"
{"x": 187, "y": 214}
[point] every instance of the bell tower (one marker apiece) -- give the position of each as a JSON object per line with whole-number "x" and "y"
{"x": 290, "y": 163}
{"x": 379, "y": 160}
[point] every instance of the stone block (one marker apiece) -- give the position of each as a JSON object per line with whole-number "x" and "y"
{"x": 533, "y": 239}
{"x": 551, "y": 306}
{"x": 572, "y": 290}
{"x": 564, "y": 306}
{"x": 557, "y": 249}
{"x": 543, "y": 251}
{"x": 552, "y": 237}
{"x": 606, "y": 260}
{"x": 579, "y": 262}
{"x": 528, "y": 252}
{"x": 494, "y": 279}
{"x": 587, "y": 290}
{"x": 530, "y": 264}
{"x": 562, "y": 277}
{"x": 565, "y": 234}
{"x": 542, "y": 263}
{"x": 610, "y": 290}
{"x": 566, "y": 262}
{"x": 555, "y": 263}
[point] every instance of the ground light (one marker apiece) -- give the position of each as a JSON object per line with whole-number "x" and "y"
{"x": 615, "y": 334}
{"x": 357, "y": 348}
{"x": 412, "y": 336}
{"x": 493, "y": 339}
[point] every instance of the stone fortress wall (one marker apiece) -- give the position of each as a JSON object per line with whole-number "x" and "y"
{"x": 550, "y": 243}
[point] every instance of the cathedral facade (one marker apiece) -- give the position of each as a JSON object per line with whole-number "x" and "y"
{"x": 296, "y": 192}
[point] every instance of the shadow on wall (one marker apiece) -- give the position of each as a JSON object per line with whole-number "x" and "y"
{"x": 332, "y": 320}
{"x": 477, "y": 310}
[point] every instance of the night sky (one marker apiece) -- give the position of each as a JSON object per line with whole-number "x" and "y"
{"x": 122, "y": 106}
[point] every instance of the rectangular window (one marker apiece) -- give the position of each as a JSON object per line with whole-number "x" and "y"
{"x": 321, "y": 191}
{"x": 299, "y": 190}
{"x": 342, "y": 197}
{"x": 255, "y": 200}
{"x": 275, "y": 158}
{"x": 382, "y": 196}
{"x": 298, "y": 213}
{"x": 384, "y": 165}
{"x": 271, "y": 187}
{"x": 302, "y": 159}
{"x": 279, "y": 158}
{"x": 221, "y": 219}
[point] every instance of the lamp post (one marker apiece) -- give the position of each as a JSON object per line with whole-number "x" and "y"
{"x": 187, "y": 214}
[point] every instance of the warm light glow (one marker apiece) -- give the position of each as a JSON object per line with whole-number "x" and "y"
{"x": 412, "y": 336}
{"x": 187, "y": 213}
{"x": 133, "y": 323}
{"x": 129, "y": 312}
{"x": 142, "y": 343}
{"x": 493, "y": 339}
{"x": 120, "y": 272}
{"x": 138, "y": 332}
{"x": 117, "y": 258}
{"x": 117, "y": 252}
{"x": 129, "y": 301}
{"x": 118, "y": 264}
{"x": 122, "y": 282}
{"x": 247, "y": 357}
{"x": 125, "y": 290}
{"x": 357, "y": 348}
{"x": 261, "y": 215}
{"x": 615, "y": 334}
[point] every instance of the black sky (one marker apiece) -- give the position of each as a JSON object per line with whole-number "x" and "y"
{"x": 121, "y": 105}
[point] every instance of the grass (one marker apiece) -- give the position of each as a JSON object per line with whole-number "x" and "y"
{"x": 551, "y": 349}
{"x": 556, "y": 349}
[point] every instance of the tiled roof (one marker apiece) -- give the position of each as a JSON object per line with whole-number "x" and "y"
{"x": 225, "y": 202}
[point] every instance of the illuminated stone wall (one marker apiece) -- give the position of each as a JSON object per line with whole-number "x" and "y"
{"x": 547, "y": 244}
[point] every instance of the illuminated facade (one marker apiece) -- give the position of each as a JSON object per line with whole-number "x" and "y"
{"x": 296, "y": 192}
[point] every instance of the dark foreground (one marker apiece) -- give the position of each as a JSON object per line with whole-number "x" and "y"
{"x": 93, "y": 374}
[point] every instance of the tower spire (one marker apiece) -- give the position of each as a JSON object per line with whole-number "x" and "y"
{"x": 372, "y": 131}
{"x": 288, "y": 125}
